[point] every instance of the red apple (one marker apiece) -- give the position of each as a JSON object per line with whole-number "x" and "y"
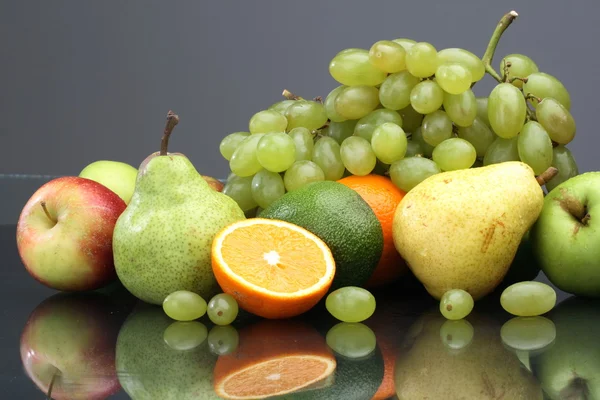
{"x": 68, "y": 346}
{"x": 64, "y": 234}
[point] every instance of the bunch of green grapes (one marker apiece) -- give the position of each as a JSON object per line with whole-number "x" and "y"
{"x": 406, "y": 110}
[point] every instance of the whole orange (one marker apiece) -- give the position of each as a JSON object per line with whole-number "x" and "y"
{"x": 383, "y": 197}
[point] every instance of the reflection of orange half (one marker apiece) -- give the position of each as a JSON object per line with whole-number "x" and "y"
{"x": 274, "y": 357}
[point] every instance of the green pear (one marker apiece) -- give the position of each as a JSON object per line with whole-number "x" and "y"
{"x": 162, "y": 241}
{"x": 463, "y": 359}
{"x": 148, "y": 368}
{"x": 461, "y": 229}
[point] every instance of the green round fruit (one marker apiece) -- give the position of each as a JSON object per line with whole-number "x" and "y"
{"x": 342, "y": 219}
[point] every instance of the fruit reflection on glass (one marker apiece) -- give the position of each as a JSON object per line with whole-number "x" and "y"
{"x": 274, "y": 357}
{"x": 64, "y": 234}
{"x": 463, "y": 358}
{"x": 68, "y": 346}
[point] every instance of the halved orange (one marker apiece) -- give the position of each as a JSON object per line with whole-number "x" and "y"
{"x": 274, "y": 269}
{"x": 274, "y": 357}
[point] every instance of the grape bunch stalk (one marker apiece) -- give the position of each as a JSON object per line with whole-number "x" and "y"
{"x": 406, "y": 110}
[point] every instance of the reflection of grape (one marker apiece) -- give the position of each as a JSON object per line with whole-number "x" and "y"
{"x": 528, "y": 333}
{"x": 456, "y": 334}
{"x": 351, "y": 339}
{"x": 223, "y": 339}
{"x": 185, "y": 335}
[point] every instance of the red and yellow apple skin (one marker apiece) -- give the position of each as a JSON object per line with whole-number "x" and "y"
{"x": 68, "y": 245}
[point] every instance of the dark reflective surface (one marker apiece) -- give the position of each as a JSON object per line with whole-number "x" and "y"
{"x": 107, "y": 345}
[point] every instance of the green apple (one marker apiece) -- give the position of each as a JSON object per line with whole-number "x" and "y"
{"x": 64, "y": 234}
{"x": 115, "y": 175}
{"x": 570, "y": 368}
{"x": 150, "y": 369}
{"x": 566, "y": 235}
{"x": 68, "y": 346}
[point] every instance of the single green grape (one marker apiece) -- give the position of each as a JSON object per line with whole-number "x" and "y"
{"x": 520, "y": 66}
{"x": 357, "y": 155}
{"x": 456, "y": 334}
{"x": 267, "y": 121}
{"x": 501, "y": 150}
{"x": 367, "y": 124}
{"x": 267, "y": 186}
{"x": 307, "y": 113}
{"x": 353, "y": 67}
{"x": 454, "y": 153}
{"x": 421, "y": 60}
{"x": 528, "y": 298}
{"x": 556, "y": 120}
{"x": 329, "y": 104}
{"x": 244, "y": 161}
{"x": 183, "y": 305}
{"x": 394, "y": 92}
{"x": 404, "y": 42}
{"x": 302, "y": 173}
{"x": 535, "y": 147}
{"x": 411, "y": 119}
{"x": 326, "y": 154}
{"x": 563, "y": 160}
{"x": 436, "y": 127}
{"x": 339, "y": 131}
{"x": 223, "y": 339}
{"x": 239, "y": 188}
{"x": 231, "y": 142}
{"x": 303, "y": 142}
{"x": 185, "y": 336}
{"x": 410, "y": 171}
{"x": 479, "y": 135}
{"x": 426, "y": 97}
{"x": 454, "y": 55}
{"x": 482, "y": 111}
{"x": 389, "y": 142}
{"x": 351, "y": 339}
{"x": 461, "y": 108}
{"x": 388, "y": 56}
{"x": 281, "y": 106}
{"x": 413, "y": 148}
{"x": 222, "y": 309}
{"x": 276, "y": 151}
{"x": 528, "y": 333}
{"x": 542, "y": 85}
{"x": 456, "y": 304}
{"x": 350, "y": 304}
{"x": 426, "y": 148}
{"x": 453, "y": 78}
{"x": 506, "y": 110}
{"x": 354, "y": 102}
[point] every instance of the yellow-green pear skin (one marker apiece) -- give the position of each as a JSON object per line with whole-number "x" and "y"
{"x": 162, "y": 241}
{"x": 461, "y": 229}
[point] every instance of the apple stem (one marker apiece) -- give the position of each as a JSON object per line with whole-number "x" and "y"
{"x": 43, "y": 204}
{"x": 50, "y": 387}
{"x": 545, "y": 176}
{"x": 172, "y": 120}
{"x": 290, "y": 96}
{"x": 585, "y": 219}
{"x": 488, "y": 56}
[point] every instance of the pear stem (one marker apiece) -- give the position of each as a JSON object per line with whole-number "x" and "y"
{"x": 488, "y": 56}
{"x": 172, "y": 120}
{"x": 545, "y": 176}
{"x": 43, "y": 204}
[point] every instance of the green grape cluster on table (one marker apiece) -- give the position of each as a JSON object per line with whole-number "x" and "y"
{"x": 407, "y": 110}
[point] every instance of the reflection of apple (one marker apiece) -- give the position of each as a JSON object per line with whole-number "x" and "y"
{"x": 115, "y": 175}
{"x": 150, "y": 369}
{"x": 566, "y": 236}
{"x": 570, "y": 369}
{"x": 69, "y": 342}
{"x": 64, "y": 234}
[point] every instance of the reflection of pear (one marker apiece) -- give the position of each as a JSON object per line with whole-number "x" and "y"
{"x": 149, "y": 369}
{"x": 427, "y": 369}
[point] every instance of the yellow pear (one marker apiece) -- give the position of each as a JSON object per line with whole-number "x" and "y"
{"x": 461, "y": 229}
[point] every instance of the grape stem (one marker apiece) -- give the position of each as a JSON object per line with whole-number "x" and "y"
{"x": 172, "y": 120}
{"x": 530, "y": 96}
{"x": 290, "y": 96}
{"x": 545, "y": 176}
{"x": 488, "y": 56}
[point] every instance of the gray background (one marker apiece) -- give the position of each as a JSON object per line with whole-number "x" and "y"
{"x": 88, "y": 80}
